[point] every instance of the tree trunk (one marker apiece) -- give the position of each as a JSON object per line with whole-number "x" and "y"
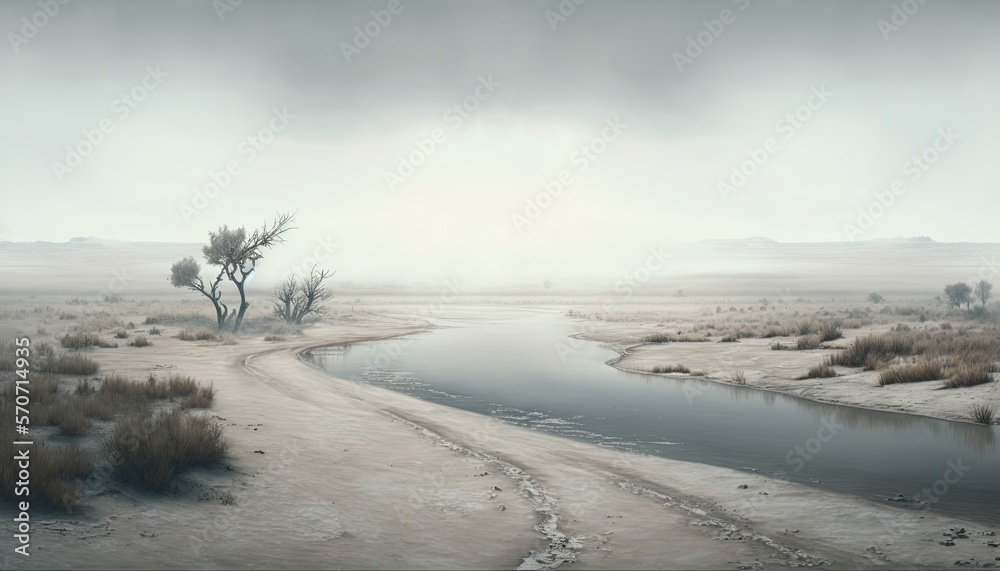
{"x": 243, "y": 309}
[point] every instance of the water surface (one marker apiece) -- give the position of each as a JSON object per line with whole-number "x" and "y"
{"x": 506, "y": 363}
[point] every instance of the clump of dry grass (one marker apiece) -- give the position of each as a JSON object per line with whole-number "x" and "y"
{"x": 678, "y": 368}
{"x": 53, "y": 468}
{"x": 201, "y": 398}
{"x": 122, "y": 334}
{"x": 873, "y": 349}
{"x": 821, "y": 371}
{"x": 73, "y": 364}
{"x": 928, "y": 370}
{"x": 140, "y": 341}
{"x": 272, "y": 337}
{"x": 658, "y": 338}
{"x": 155, "y": 331}
{"x": 808, "y": 342}
{"x": 83, "y": 340}
{"x": 730, "y": 338}
{"x": 982, "y": 413}
{"x": 197, "y": 335}
{"x": 738, "y": 377}
{"x": 968, "y": 375}
{"x": 151, "y": 450}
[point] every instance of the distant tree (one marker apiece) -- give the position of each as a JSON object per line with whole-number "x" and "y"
{"x": 238, "y": 252}
{"x": 187, "y": 273}
{"x": 875, "y": 298}
{"x": 958, "y": 293}
{"x": 294, "y": 300}
{"x": 984, "y": 291}
{"x": 764, "y": 302}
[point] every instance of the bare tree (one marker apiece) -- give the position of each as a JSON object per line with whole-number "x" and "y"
{"x": 294, "y": 300}
{"x": 187, "y": 273}
{"x": 984, "y": 291}
{"x": 238, "y": 252}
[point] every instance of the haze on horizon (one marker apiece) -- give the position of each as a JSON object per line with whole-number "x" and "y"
{"x": 547, "y": 86}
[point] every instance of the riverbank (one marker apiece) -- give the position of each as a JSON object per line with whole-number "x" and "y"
{"x": 329, "y": 473}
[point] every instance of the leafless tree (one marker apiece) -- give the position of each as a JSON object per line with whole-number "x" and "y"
{"x": 187, "y": 273}
{"x": 238, "y": 252}
{"x": 295, "y": 300}
{"x": 984, "y": 291}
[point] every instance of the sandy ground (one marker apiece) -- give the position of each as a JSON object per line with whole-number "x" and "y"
{"x": 777, "y": 371}
{"x": 354, "y": 476}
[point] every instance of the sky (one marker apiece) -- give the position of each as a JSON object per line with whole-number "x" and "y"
{"x": 424, "y": 139}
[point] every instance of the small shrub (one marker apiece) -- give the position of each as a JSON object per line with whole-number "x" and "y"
{"x": 154, "y": 331}
{"x": 130, "y": 325}
{"x": 658, "y": 338}
{"x": 121, "y": 334}
{"x": 228, "y": 498}
{"x": 729, "y": 338}
{"x": 982, "y": 413}
{"x": 140, "y": 341}
{"x": 272, "y": 337}
{"x": 67, "y": 316}
{"x": 738, "y": 377}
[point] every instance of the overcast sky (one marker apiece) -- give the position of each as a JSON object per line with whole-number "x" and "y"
{"x": 184, "y": 89}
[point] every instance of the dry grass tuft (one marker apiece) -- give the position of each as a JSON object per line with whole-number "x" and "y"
{"x": 808, "y": 342}
{"x": 983, "y": 414}
{"x": 151, "y": 450}
{"x": 197, "y": 335}
{"x": 670, "y": 369}
{"x": 140, "y": 341}
{"x": 969, "y": 375}
{"x": 83, "y": 340}
{"x": 738, "y": 377}
{"x": 821, "y": 371}
{"x": 915, "y": 373}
